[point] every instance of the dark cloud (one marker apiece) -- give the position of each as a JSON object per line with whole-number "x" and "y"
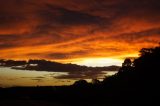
{"x": 66, "y": 55}
{"x": 83, "y": 75}
{"x": 60, "y": 55}
{"x": 7, "y": 20}
{"x": 66, "y": 29}
{"x": 73, "y": 75}
{"x": 63, "y": 16}
{"x": 135, "y": 36}
{"x": 8, "y": 41}
{"x": 38, "y": 79}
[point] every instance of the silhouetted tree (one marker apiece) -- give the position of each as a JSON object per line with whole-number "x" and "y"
{"x": 81, "y": 83}
{"x": 137, "y": 82}
{"x": 95, "y": 81}
{"x": 127, "y": 63}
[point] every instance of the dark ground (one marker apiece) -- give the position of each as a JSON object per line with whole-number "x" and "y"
{"x": 136, "y": 84}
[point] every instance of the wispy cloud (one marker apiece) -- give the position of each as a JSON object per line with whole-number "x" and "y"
{"x": 70, "y": 29}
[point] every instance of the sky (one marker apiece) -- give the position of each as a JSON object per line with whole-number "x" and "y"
{"x": 85, "y": 32}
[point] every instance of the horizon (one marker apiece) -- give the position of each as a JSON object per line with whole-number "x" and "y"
{"x": 100, "y": 62}
{"x": 93, "y": 33}
{"x": 79, "y": 52}
{"x": 133, "y": 83}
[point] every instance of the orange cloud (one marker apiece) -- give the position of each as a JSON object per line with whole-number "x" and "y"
{"x": 73, "y": 30}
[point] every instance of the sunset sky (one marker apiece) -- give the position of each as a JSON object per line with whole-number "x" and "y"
{"x": 85, "y": 32}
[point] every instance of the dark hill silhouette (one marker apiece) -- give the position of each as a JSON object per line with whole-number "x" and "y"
{"x": 136, "y": 83}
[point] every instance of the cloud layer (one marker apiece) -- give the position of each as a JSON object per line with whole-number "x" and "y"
{"x": 67, "y": 30}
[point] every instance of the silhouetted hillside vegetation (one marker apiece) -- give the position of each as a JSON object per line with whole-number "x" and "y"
{"x": 136, "y": 83}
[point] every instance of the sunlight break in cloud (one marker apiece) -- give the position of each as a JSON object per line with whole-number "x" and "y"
{"x": 89, "y": 32}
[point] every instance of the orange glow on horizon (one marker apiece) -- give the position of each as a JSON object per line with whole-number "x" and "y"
{"x": 66, "y": 32}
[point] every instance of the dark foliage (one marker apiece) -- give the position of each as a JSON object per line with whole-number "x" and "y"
{"x": 136, "y": 83}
